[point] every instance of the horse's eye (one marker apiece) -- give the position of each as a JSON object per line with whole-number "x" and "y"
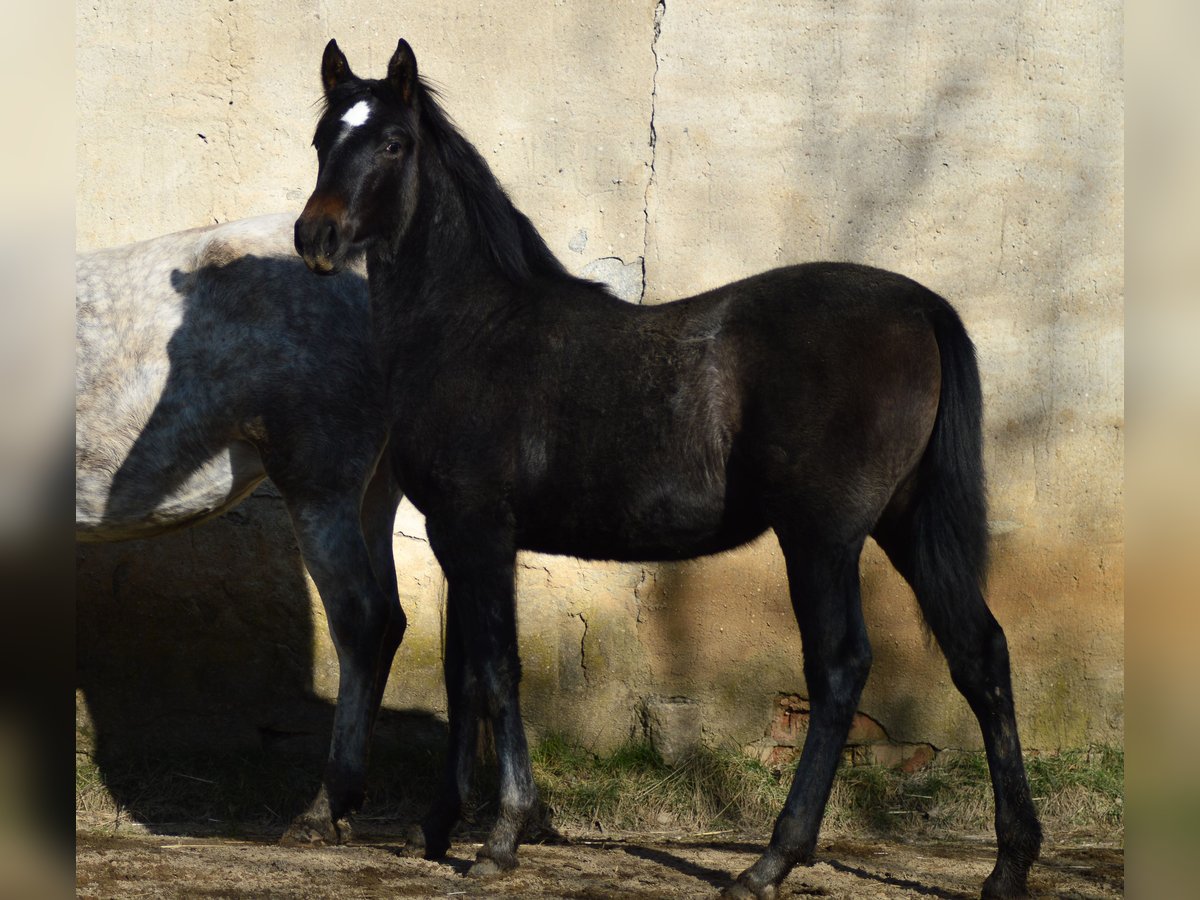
{"x": 393, "y": 148}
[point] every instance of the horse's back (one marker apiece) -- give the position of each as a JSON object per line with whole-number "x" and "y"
{"x": 188, "y": 347}
{"x": 667, "y": 431}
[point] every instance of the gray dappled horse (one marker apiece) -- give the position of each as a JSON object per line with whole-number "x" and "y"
{"x": 826, "y": 401}
{"x": 208, "y": 360}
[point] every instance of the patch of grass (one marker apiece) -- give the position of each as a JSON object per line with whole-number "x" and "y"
{"x": 632, "y": 788}
{"x": 90, "y": 793}
{"x": 955, "y": 796}
{"x": 230, "y": 794}
{"x": 628, "y": 789}
{"x": 1072, "y": 790}
{"x": 1080, "y": 788}
{"x": 225, "y": 794}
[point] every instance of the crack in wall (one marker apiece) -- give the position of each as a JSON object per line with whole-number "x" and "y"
{"x": 233, "y": 72}
{"x": 643, "y": 577}
{"x": 412, "y": 537}
{"x": 583, "y": 647}
{"x": 660, "y": 11}
{"x": 868, "y": 741}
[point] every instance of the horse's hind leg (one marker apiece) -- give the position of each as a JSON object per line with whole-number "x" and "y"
{"x": 977, "y": 654}
{"x": 837, "y": 657}
{"x": 367, "y": 624}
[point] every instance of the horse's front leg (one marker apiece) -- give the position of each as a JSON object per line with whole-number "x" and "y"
{"x": 479, "y": 564}
{"x": 367, "y": 625}
{"x": 431, "y": 839}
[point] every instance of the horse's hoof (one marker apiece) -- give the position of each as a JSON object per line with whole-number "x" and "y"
{"x": 483, "y": 868}
{"x": 311, "y": 831}
{"x": 413, "y": 851}
{"x": 1001, "y": 887}
{"x": 303, "y": 836}
{"x": 739, "y": 890}
{"x": 416, "y": 845}
{"x": 486, "y": 866}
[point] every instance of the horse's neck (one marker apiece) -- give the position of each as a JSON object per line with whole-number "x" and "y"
{"x": 439, "y": 269}
{"x": 422, "y": 311}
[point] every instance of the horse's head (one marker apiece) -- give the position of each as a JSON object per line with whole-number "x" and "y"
{"x": 367, "y": 147}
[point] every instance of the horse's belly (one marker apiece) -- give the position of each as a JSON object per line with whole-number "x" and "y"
{"x": 664, "y": 525}
{"x": 109, "y": 509}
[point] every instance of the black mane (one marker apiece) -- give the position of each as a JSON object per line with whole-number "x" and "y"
{"x": 506, "y": 233}
{"x": 503, "y": 231}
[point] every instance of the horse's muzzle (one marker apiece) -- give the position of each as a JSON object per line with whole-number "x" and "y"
{"x": 321, "y": 235}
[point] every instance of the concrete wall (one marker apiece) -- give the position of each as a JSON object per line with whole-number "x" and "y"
{"x": 673, "y": 147}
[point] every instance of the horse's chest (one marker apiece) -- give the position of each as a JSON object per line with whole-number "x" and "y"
{"x": 443, "y": 456}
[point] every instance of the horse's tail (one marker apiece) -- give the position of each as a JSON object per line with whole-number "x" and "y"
{"x": 939, "y": 538}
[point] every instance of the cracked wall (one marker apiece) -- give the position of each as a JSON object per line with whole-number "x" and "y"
{"x": 666, "y": 148}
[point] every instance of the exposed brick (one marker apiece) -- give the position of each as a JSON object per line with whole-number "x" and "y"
{"x": 790, "y": 724}
{"x": 906, "y": 757}
{"x": 922, "y": 755}
{"x": 782, "y": 756}
{"x": 865, "y": 730}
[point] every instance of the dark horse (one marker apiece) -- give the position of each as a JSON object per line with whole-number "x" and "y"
{"x": 826, "y": 401}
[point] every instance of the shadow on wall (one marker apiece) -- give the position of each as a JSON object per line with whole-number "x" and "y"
{"x": 195, "y": 656}
{"x": 720, "y": 633}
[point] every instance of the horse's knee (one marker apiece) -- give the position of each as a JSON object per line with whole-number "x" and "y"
{"x": 837, "y": 683}
{"x": 500, "y": 679}
{"x": 397, "y": 623}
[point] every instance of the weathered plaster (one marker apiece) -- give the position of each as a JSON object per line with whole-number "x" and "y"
{"x": 670, "y": 147}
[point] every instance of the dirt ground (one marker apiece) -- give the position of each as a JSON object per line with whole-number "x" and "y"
{"x": 139, "y": 865}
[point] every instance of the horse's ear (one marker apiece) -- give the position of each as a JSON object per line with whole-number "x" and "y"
{"x": 402, "y": 72}
{"x": 334, "y": 68}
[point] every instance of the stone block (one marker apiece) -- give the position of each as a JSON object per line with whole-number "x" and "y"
{"x": 673, "y": 726}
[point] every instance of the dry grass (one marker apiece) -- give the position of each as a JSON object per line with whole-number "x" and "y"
{"x": 630, "y": 789}
{"x": 1077, "y": 790}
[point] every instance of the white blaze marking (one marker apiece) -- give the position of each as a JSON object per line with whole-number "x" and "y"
{"x": 357, "y": 114}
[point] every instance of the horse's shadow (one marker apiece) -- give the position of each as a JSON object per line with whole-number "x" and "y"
{"x": 197, "y": 702}
{"x": 715, "y": 877}
{"x": 720, "y": 879}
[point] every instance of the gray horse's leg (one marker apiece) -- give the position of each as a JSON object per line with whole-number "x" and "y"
{"x": 379, "y": 505}
{"x": 366, "y": 623}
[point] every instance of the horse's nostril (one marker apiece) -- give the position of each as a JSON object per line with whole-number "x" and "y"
{"x": 329, "y": 239}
